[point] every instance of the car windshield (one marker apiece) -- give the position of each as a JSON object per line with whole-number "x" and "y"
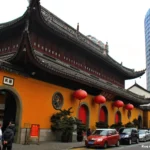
{"x": 142, "y": 131}
{"x": 126, "y": 130}
{"x": 100, "y": 132}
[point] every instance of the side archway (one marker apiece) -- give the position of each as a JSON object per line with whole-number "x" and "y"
{"x": 103, "y": 114}
{"x": 83, "y": 114}
{"x": 139, "y": 121}
{"x": 18, "y": 112}
{"x": 117, "y": 117}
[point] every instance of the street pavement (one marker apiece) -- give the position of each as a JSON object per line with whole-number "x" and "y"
{"x": 76, "y": 146}
{"x": 140, "y": 146}
{"x": 48, "y": 146}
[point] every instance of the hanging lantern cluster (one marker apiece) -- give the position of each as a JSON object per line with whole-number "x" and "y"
{"x": 118, "y": 104}
{"x": 100, "y": 99}
{"x": 129, "y": 107}
{"x": 80, "y": 94}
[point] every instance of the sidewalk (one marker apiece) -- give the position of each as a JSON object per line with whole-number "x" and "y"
{"x": 48, "y": 146}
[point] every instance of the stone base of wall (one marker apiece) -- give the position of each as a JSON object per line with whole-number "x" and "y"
{"x": 45, "y": 135}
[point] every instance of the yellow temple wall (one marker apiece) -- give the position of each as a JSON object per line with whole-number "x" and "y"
{"x": 37, "y": 106}
{"x": 146, "y": 119}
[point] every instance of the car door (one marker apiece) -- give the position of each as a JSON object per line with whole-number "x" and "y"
{"x": 146, "y": 135}
{"x": 136, "y": 135}
{"x": 110, "y": 137}
{"x": 115, "y": 137}
{"x": 133, "y": 135}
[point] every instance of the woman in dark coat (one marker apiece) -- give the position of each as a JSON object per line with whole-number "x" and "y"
{"x": 88, "y": 133}
{"x": 7, "y": 138}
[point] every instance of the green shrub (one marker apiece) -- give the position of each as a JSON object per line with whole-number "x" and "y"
{"x": 117, "y": 125}
{"x": 63, "y": 121}
{"x": 136, "y": 122}
{"x": 129, "y": 125}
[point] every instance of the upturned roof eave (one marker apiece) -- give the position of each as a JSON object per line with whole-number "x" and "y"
{"x": 128, "y": 73}
{"x": 67, "y": 72}
{"x": 12, "y": 23}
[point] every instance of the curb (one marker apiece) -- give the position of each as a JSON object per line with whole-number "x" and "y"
{"x": 76, "y": 147}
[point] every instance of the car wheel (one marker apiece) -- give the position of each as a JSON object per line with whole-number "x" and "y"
{"x": 118, "y": 143}
{"x": 145, "y": 140}
{"x": 130, "y": 142}
{"x": 105, "y": 145}
{"x": 137, "y": 140}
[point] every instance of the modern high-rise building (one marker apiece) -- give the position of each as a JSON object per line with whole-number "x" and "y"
{"x": 147, "y": 47}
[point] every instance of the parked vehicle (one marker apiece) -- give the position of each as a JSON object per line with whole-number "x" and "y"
{"x": 129, "y": 135}
{"x": 103, "y": 138}
{"x": 144, "y": 135}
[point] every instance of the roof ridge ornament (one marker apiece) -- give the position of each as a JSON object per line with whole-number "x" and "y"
{"x": 77, "y": 27}
{"x": 105, "y": 51}
{"x": 33, "y": 2}
{"x": 77, "y": 30}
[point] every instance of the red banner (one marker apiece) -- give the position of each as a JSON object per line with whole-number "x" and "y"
{"x": 34, "y": 132}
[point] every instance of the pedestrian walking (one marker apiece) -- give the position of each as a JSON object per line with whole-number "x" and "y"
{"x": 88, "y": 133}
{"x": 7, "y": 138}
{"x": 13, "y": 127}
{"x": 0, "y": 136}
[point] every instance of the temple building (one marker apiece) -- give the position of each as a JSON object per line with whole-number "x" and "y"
{"x": 43, "y": 61}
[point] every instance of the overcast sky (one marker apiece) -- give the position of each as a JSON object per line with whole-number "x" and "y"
{"x": 120, "y": 22}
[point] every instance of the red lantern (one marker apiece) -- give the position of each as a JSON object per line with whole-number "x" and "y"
{"x": 99, "y": 99}
{"x": 118, "y": 103}
{"x": 129, "y": 107}
{"x": 80, "y": 94}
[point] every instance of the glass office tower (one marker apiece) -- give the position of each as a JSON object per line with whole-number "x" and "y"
{"x": 147, "y": 47}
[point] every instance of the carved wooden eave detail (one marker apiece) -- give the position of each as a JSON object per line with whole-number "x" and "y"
{"x": 145, "y": 108}
{"x": 9, "y": 67}
{"x": 62, "y": 29}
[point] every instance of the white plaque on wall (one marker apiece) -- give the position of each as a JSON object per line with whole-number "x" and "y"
{"x": 8, "y": 81}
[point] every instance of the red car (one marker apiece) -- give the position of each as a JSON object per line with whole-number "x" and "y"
{"x": 103, "y": 138}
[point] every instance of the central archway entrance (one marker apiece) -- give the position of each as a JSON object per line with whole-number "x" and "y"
{"x": 10, "y": 109}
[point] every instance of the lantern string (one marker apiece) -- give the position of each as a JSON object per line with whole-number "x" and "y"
{"x": 79, "y": 102}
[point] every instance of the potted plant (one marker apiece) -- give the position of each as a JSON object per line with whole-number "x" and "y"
{"x": 62, "y": 123}
{"x": 136, "y": 122}
{"x": 129, "y": 124}
{"x": 80, "y": 129}
{"x": 56, "y": 125}
{"x": 117, "y": 126}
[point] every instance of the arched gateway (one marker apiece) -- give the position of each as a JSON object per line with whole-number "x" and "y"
{"x": 11, "y": 109}
{"x": 140, "y": 121}
{"x": 83, "y": 114}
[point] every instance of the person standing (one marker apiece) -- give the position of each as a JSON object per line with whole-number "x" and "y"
{"x": 13, "y": 127}
{"x": 7, "y": 138}
{"x": 0, "y": 136}
{"x": 88, "y": 133}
